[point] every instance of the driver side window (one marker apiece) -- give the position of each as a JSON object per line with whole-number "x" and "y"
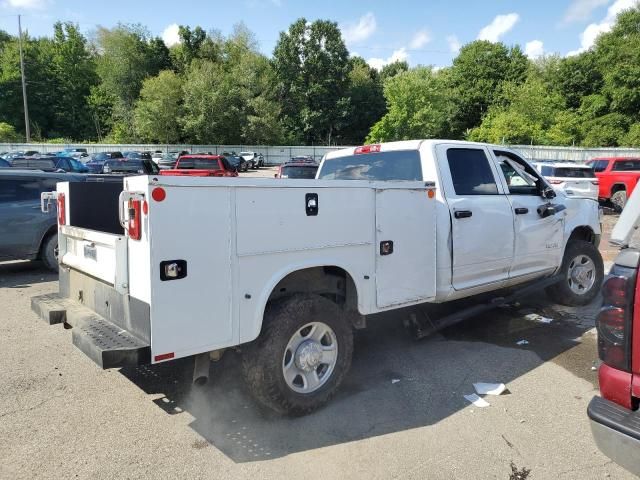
{"x": 521, "y": 181}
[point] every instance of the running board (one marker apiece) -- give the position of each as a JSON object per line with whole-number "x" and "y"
{"x": 427, "y": 326}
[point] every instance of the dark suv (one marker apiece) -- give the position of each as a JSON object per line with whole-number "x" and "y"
{"x": 25, "y": 232}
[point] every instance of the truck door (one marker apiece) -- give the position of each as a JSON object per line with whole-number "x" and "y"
{"x": 482, "y": 237}
{"x": 538, "y": 241}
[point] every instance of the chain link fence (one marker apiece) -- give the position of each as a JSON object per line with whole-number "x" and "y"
{"x": 275, "y": 155}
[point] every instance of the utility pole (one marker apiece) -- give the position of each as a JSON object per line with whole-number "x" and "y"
{"x": 24, "y": 85}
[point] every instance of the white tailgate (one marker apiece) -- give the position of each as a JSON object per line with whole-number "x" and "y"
{"x": 101, "y": 255}
{"x": 408, "y": 218}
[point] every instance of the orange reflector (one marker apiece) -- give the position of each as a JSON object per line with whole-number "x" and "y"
{"x": 431, "y": 193}
{"x": 164, "y": 356}
{"x": 145, "y": 207}
{"x": 158, "y": 194}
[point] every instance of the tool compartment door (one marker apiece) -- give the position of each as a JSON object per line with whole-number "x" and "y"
{"x": 408, "y": 273}
{"x": 192, "y": 314}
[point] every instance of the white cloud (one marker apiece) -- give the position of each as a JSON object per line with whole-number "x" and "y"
{"x": 420, "y": 39}
{"x": 581, "y": 10}
{"x": 534, "y": 49}
{"x": 25, "y": 4}
{"x": 357, "y": 32}
{"x": 170, "y": 35}
{"x": 594, "y": 30}
{"x": 498, "y": 27}
{"x": 399, "y": 55}
{"x": 454, "y": 43}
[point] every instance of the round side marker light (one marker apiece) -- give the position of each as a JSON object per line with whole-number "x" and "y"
{"x": 158, "y": 194}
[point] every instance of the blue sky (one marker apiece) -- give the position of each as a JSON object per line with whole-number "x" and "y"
{"x": 422, "y": 32}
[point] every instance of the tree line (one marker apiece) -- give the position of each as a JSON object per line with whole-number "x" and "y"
{"x": 124, "y": 85}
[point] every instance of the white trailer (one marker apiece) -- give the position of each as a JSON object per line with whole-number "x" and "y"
{"x": 162, "y": 267}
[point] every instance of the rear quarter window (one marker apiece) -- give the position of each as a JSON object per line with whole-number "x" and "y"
{"x": 626, "y": 165}
{"x": 396, "y": 165}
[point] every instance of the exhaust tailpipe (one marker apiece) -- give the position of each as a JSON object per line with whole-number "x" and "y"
{"x": 201, "y": 369}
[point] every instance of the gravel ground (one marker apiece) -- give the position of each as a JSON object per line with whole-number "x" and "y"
{"x": 400, "y": 414}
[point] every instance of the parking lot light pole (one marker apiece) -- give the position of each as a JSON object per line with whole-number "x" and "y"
{"x": 24, "y": 84}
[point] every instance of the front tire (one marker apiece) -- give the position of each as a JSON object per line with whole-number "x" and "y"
{"x": 49, "y": 253}
{"x": 619, "y": 200}
{"x": 582, "y": 272}
{"x": 301, "y": 357}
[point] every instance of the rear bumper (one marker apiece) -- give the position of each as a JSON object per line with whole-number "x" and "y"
{"x": 616, "y": 431}
{"x": 110, "y": 328}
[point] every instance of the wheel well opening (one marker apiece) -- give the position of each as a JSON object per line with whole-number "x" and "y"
{"x": 52, "y": 231}
{"x": 583, "y": 233}
{"x": 618, "y": 187}
{"x": 331, "y": 282}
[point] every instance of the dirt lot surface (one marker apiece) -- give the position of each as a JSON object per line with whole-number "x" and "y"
{"x": 400, "y": 413}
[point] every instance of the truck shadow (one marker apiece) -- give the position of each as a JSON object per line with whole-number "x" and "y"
{"x": 395, "y": 383}
{"x": 23, "y": 274}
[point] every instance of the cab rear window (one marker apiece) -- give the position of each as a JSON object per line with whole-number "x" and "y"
{"x": 199, "y": 164}
{"x": 396, "y": 165}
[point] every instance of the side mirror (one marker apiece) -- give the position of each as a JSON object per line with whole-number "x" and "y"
{"x": 548, "y": 193}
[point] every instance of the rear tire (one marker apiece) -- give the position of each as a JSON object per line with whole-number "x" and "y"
{"x": 49, "y": 253}
{"x": 301, "y": 357}
{"x": 619, "y": 200}
{"x": 582, "y": 272}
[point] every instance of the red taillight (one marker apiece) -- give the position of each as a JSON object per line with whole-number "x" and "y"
{"x": 135, "y": 220}
{"x": 614, "y": 292}
{"x": 614, "y": 319}
{"x": 555, "y": 182}
{"x": 367, "y": 149}
{"x": 62, "y": 209}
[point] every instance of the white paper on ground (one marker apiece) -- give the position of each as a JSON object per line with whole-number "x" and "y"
{"x": 482, "y": 388}
{"x": 395, "y": 380}
{"x": 477, "y": 401}
{"x": 522, "y": 342}
{"x": 538, "y": 318}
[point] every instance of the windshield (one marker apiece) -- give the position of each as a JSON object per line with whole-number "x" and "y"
{"x": 199, "y": 163}
{"x": 600, "y": 165}
{"x": 397, "y": 165}
{"x": 299, "y": 171}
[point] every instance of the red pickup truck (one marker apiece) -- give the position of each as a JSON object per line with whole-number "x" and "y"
{"x": 202, "y": 165}
{"x": 615, "y": 415}
{"x": 618, "y": 177}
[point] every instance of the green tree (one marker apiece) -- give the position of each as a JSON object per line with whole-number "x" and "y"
{"x": 159, "y": 109}
{"x": 366, "y": 101}
{"x": 632, "y": 137}
{"x": 8, "y": 133}
{"x": 477, "y": 77}
{"x": 75, "y": 69}
{"x": 128, "y": 56}
{"x": 311, "y": 65}
{"x": 605, "y": 131}
{"x": 530, "y": 111}
{"x": 417, "y": 103}
{"x": 618, "y": 57}
{"x": 393, "y": 69}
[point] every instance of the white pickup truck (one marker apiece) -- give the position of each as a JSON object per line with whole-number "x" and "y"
{"x": 167, "y": 267}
